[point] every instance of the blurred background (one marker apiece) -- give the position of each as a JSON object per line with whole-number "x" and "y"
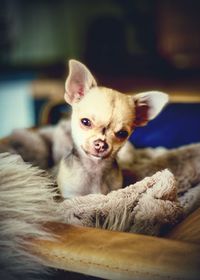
{"x": 130, "y": 45}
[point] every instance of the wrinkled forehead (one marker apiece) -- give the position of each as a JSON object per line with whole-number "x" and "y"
{"x": 105, "y": 106}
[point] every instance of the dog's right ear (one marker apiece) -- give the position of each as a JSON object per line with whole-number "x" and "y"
{"x": 78, "y": 82}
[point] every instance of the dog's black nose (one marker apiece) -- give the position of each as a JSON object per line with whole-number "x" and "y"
{"x": 100, "y": 146}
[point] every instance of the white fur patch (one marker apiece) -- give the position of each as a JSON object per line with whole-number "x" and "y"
{"x": 26, "y": 201}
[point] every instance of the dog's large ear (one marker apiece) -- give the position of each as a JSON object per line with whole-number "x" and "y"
{"x": 78, "y": 82}
{"x": 148, "y": 105}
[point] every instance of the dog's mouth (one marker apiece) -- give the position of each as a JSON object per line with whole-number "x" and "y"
{"x": 102, "y": 155}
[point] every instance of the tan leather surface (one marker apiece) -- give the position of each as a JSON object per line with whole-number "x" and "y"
{"x": 188, "y": 230}
{"x": 118, "y": 255}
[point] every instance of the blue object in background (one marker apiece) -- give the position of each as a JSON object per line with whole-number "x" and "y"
{"x": 177, "y": 125}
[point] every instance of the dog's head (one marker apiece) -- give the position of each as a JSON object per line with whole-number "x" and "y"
{"x": 102, "y": 118}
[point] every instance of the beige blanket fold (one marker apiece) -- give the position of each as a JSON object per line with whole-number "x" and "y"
{"x": 143, "y": 207}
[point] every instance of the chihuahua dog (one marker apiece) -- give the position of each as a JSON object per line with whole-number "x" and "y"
{"x": 101, "y": 122}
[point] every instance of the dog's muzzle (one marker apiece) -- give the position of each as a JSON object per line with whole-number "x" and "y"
{"x": 100, "y": 146}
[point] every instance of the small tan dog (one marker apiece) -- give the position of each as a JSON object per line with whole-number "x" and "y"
{"x": 102, "y": 120}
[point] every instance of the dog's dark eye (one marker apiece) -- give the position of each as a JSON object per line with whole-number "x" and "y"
{"x": 86, "y": 122}
{"x": 122, "y": 134}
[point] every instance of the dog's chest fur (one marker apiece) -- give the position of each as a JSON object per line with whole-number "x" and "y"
{"x": 81, "y": 176}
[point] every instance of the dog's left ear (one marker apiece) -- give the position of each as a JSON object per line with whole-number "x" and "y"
{"x": 148, "y": 105}
{"x": 78, "y": 82}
